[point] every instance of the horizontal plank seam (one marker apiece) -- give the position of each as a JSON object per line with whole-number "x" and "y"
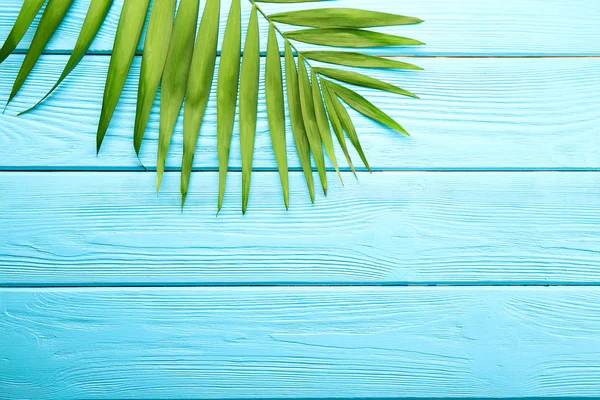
{"x": 296, "y": 285}
{"x": 263, "y": 54}
{"x": 298, "y": 169}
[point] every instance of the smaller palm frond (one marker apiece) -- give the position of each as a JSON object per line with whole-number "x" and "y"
{"x": 182, "y": 61}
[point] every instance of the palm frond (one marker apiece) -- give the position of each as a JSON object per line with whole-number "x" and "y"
{"x": 175, "y": 78}
{"x": 184, "y": 62}
{"x": 29, "y": 10}
{"x": 249, "y": 86}
{"x": 227, "y": 90}
{"x": 156, "y": 47}
{"x": 129, "y": 30}
{"x": 94, "y": 18}
{"x": 51, "y": 18}
{"x": 199, "y": 85}
{"x": 275, "y": 110}
{"x": 297, "y": 122}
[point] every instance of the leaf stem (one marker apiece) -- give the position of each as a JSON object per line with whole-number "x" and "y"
{"x": 298, "y": 52}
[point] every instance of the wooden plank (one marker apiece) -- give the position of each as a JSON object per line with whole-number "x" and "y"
{"x": 388, "y": 228}
{"x": 473, "y": 114}
{"x": 466, "y": 27}
{"x": 230, "y": 343}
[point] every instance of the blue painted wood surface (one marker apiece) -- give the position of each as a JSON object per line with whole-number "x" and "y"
{"x": 529, "y": 113}
{"x": 496, "y": 194}
{"x": 110, "y": 228}
{"x": 465, "y": 27}
{"x": 299, "y": 342}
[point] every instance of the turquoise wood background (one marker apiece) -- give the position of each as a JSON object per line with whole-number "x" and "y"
{"x": 466, "y": 265}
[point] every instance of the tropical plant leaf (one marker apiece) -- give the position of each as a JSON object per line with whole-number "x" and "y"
{"x": 365, "y": 107}
{"x": 347, "y": 37}
{"x": 29, "y": 10}
{"x": 310, "y": 121}
{"x": 276, "y": 111}
{"x": 341, "y": 18}
{"x": 336, "y": 123}
{"x": 347, "y": 123}
{"x": 227, "y": 89}
{"x": 129, "y": 30}
{"x": 156, "y": 47}
{"x": 198, "y": 89}
{"x": 323, "y": 123}
{"x": 94, "y": 18}
{"x": 186, "y": 68}
{"x": 295, "y": 110}
{"x": 352, "y": 59}
{"x": 51, "y": 18}
{"x": 175, "y": 78}
{"x": 363, "y": 80}
{"x": 249, "y": 102}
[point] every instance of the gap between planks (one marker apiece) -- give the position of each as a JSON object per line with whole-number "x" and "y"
{"x": 282, "y": 54}
{"x": 406, "y": 286}
{"x": 297, "y": 169}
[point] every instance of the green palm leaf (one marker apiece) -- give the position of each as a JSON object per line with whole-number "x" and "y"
{"x": 275, "y": 111}
{"x": 362, "y": 80}
{"x": 310, "y": 121}
{"x": 352, "y": 59}
{"x": 342, "y": 18}
{"x": 323, "y": 122}
{"x": 298, "y": 130}
{"x": 129, "y": 30}
{"x": 336, "y": 123}
{"x": 51, "y": 18}
{"x": 94, "y": 18}
{"x": 156, "y": 46}
{"x": 29, "y": 10}
{"x": 347, "y": 37}
{"x": 365, "y": 107}
{"x": 227, "y": 89}
{"x": 198, "y": 90}
{"x": 249, "y": 102}
{"x": 186, "y": 67}
{"x": 347, "y": 123}
{"x": 175, "y": 78}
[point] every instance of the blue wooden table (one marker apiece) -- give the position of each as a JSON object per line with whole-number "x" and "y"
{"x": 466, "y": 265}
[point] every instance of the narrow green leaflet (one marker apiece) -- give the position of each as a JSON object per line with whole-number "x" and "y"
{"x": 51, "y": 18}
{"x": 129, "y": 30}
{"x": 336, "y": 123}
{"x": 298, "y": 130}
{"x": 341, "y": 18}
{"x": 310, "y": 121}
{"x": 276, "y": 111}
{"x": 175, "y": 78}
{"x": 365, "y": 107}
{"x": 249, "y": 102}
{"x": 323, "y": 122}
{"x": 352, "y": 59}
{"x": 94, "y": 18}
{"x": 198, "y": 89}
{"x": 29, "y": 10}
{"x": 156, "y": 46}
{"x": 227, "y": 89}
{"x": 363, "y": 80}
{"x": 347, "y": 37}
{"x": 347, "y": 123}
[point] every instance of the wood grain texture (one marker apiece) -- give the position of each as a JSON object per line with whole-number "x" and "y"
{"x": 387, "y": 228}
{"x": 466, "y": 27}
{"x": 233, "y": 343}
{"x": 473, "y": 114}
